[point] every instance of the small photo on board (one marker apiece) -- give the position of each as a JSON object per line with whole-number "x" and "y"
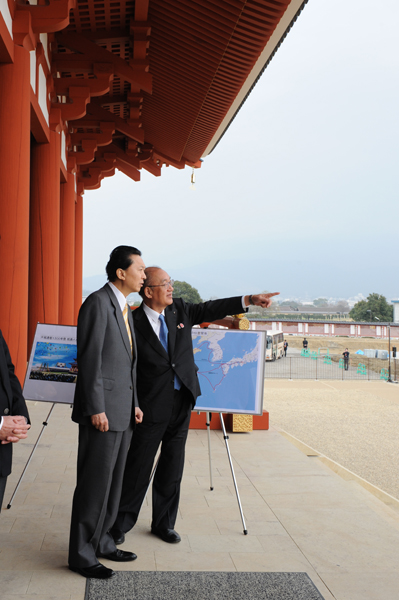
{"x": 52, "y": 369}
{"x": 54, "y": 362}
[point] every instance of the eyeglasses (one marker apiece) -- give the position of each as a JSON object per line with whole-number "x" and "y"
{"x": 169, "y": 283}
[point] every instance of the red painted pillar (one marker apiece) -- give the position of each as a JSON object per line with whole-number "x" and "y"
{"x": 67, "y": 252}
{"x": 14, "y": 205}
{"x": 78, "y": 255}
{"x": 44, "y": 244}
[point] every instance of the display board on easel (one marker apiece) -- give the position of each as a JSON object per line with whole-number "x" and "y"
{"x": 231, "y": 367}
{"x": 52, "y": 368}
{"x": 51, "y": 373}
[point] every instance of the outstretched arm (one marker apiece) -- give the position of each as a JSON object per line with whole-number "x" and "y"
{"x": 263, "y": 300}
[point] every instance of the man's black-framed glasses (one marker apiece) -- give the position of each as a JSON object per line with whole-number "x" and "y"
{"x": 169, "y": 283}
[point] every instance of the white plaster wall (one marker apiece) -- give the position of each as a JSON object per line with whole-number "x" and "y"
{"x": 4, "y": 10}
{"x": 32, "y": 55}
{"x": 63, "y": 148}
{"x": 44, "y": 42}
{"x": 42, "y": 95}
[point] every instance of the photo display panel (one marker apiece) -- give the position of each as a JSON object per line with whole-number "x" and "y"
{"x": 52, "y": 368}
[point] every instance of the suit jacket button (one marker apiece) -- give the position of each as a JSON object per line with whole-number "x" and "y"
{"x": 131, "y": 387}
{"x": 6, "y": 411}
{"x": 173, "y": 365}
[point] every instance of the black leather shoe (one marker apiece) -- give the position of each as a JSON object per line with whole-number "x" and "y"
{"x": 167, "y": 535}
{"x": 94, "y": 572}
{"x": 118, "y": 536}
{"x": 119, "y": 556}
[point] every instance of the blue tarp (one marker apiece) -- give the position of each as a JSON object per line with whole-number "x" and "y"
{"x": 359, "y": 352}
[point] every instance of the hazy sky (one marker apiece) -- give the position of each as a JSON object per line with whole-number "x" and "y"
{"x": 301, "y": 194}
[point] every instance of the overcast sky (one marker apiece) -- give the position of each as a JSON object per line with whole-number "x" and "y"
{"x": 301, "y": 194}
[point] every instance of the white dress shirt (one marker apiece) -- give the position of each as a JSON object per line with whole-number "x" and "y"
{"x": 119, "y": 296}
{"x": 153, "y": 317}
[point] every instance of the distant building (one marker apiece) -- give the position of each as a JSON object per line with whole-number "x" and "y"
{"x": 395, "y": 311}
{"x": 326, "y": 328}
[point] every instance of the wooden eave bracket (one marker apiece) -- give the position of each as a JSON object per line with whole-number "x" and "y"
{"x": 152, "y": 168}
{"x": 49, "y": 18}
{"x": 103, "y": 138}
{"x": 91, "y": 179}
{"x": 128, "y": 170}
{"x": 133, "y": 72}
{"x": 80, "y": 97}
{"x": 22, "y": 30}
{"x": 89, "y": 142}
{"x": 133, "y": 132}
{"x": 127, "y": 162}
{"x": 87, "y": 152}
{"x": 106, "y": 162}
{"x": 98, "y": 87}
{"x": 190, "y": 163}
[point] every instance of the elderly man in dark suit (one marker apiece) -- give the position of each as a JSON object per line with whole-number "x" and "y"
{"x": 14, "y": 418}
{"x": 106, "y": 408}
{"x": 167, "y": 386}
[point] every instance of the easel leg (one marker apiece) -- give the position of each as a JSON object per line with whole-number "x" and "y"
{"x": 45, "y": 423}
{"x": 208, "y": 428}
{"x": 226, "y": 437}
{"x": 152, "y": 474}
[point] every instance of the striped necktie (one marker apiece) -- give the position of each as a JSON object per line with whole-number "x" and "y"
{"x": 129, "y": 333}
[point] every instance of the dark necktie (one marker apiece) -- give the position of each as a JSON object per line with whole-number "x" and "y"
{"x": 163, "y": 333}
{"x": 163, "y": 338}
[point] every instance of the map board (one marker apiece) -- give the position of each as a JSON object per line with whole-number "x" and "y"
{"x": 231, "y": 366}
{"x": 52, "y": 368}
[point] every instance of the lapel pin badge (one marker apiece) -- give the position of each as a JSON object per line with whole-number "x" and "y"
{"x": 180, "y": 326}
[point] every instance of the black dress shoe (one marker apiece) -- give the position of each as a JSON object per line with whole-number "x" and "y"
{"x": 118, "y": 536}
{"x": 167, "y": 535}
{"x": 119, "y": 556}
{"x": 94, "y": 572}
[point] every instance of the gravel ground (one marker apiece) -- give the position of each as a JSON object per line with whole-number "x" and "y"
{"x": 353, "y": 423}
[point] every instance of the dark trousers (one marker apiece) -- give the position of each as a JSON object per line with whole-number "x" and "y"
{"x": 166, "y": 485}
{"x": 101, "y": 461}
{"x": 3, "y": 481}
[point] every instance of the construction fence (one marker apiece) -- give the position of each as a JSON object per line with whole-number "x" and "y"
{"x": 311, "y": 365}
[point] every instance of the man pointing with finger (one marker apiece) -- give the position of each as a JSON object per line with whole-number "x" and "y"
{"x": 168, "y": 387}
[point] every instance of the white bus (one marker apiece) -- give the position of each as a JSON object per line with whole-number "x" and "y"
{"x": 274, "y": 344}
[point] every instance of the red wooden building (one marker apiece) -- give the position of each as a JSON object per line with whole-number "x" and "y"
{"x": 90, "y": 86}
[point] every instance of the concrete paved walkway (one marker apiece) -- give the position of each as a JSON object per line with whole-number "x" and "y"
{"x": 301, "y": 516}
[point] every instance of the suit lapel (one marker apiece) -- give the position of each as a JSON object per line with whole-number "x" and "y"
{"x": 130, "y": 319}
{"x": 143, "y": 325}
{"x": 119, "y": 318}
{"x": 171, "y": 321}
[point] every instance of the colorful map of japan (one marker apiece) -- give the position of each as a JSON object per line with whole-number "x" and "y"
{"x": 230, "y": 370}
